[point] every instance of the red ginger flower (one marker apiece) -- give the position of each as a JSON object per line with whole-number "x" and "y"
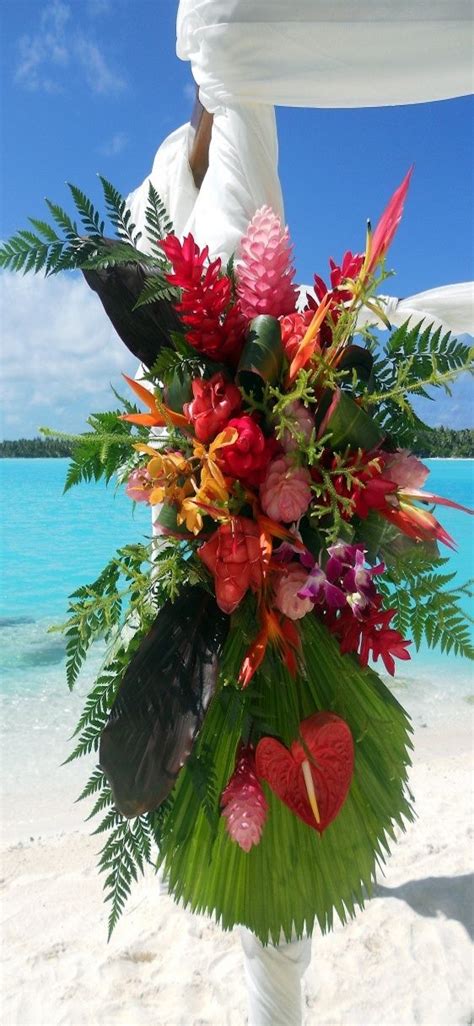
{"x": 243, "y": 802}
{"x": 234, "y": 555}
{"x": 213, "y": 326}
{"x": 265, "y": 271}
{"x": 247, "y": 458}
{"x": 213, "y": 404}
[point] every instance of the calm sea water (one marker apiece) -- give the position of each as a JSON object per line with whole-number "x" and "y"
{"x": 51, "y": 544}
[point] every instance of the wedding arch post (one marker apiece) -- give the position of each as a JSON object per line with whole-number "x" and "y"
{"x": 273, "y": 974}
{"x": 214, "y": 173}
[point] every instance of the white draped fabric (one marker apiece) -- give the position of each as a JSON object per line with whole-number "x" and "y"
{"x": 326, "y": 53}
{"x": 247, "y": 55}
{"x": 273, "y": 977}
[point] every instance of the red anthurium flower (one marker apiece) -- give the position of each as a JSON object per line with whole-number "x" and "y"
{"x": 367, "y": 490}
{"x": 234, "y": 555}
{"x": 314, "y": 775}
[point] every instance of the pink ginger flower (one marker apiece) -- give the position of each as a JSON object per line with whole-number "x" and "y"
{"x": 139, "y": 485}
{"x": 405, "y": 470}
{"x": 285, "y": 493}
{"x": 243, "y": 802}
{"x": 303, "y": 422}
{"x": 265, "y": 271}
{"x": 286, "y": 597}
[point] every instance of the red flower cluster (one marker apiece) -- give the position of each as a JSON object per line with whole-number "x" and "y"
{"x": 214, "y": 328}
{"x": 367, "y": 490}
{"x": 248, "y": 457}
{"x": 234, "y": 556}
{"x": 349, "y": 270}
{"x": 293, "y": 328}
{"x": 370, "y": 636}
{"x": 213, "y": 404}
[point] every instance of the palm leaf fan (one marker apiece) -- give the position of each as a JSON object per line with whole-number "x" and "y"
{"x": 295, "y": 878}
{"x": 145, "y": 330}
{"x": 162, "y": 701}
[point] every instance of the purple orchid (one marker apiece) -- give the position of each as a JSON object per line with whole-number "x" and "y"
{"x": 345, "y": 581}
{"x": 319, "y": 589}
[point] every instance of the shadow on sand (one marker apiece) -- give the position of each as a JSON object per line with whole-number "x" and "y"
{"x": 449, "y": 895}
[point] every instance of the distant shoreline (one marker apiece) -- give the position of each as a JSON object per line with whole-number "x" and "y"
{"x": 434, "y": 443}
{"x": 43, "y": 456}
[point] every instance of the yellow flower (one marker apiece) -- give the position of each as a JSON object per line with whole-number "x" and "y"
{"x": 168, "y": 466}
{"x": 170, "y": 492}
{"x": 208, "y": 456}
{"x": 209, "y": 492}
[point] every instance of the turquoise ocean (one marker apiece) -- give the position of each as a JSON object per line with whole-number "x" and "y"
{"x": 51, "y": 544}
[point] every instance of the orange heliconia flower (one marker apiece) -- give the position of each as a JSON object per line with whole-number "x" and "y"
{"x": 276, "y": 630}
{"x": 159, "y": 415}
{"x": 309, "y": 343}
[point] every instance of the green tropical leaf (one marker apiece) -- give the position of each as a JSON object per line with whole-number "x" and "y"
{"x": 262, "y": 357}
{"x": 295, "y": 877}
{"x": 349, "y": 426}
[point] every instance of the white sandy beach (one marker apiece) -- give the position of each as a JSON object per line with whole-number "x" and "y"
{"x": 406, "y": 959}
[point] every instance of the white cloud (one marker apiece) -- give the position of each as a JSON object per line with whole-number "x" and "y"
{"x": 47, "y": 55}
{"x": 45, "y": 51}
{"x": 189, "y": 91}
{"x": 95, "y": 8}
{"x": 59, "y": 353}
{"x": 115, "y": 145}
{"x": 99, "y": 76}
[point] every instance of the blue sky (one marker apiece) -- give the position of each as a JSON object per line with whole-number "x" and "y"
{"x": 93, "y": 86}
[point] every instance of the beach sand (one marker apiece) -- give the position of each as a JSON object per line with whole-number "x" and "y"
{"x": 406, "y": 959}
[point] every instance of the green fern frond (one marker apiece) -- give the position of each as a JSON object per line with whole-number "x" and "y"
{"x": 426, "y": 609}
{"x": 112, "y": 254}
{"x": 97, "y": 782}
{"x": 90, "y": 217}
{"x": 101, "y": 452}
{"x": 414, "y": 360}
{"x": 156, "y": 288}
{"x": 157, "y": 221}
{"x": 104, "y": 801}
{"x": 125, "y": 854}
{"x": 119, "y": 214}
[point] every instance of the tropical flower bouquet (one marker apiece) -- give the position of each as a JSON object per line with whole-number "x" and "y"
{"x": 238, "y": 720}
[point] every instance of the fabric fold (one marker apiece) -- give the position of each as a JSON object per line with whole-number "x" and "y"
{"x": 314, "y": 53}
